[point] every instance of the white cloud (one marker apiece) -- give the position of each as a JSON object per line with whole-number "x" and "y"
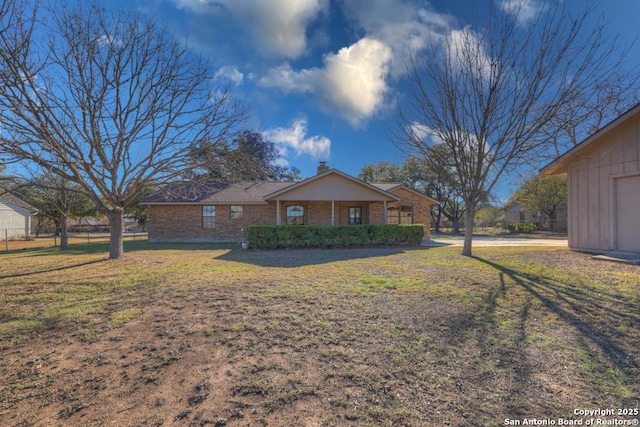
{"x": 523, "y": 10}
{"x": 230, "y": 73}
{"x": 401, "y": 25}
{"x": 289, "y": 80}
{"x": 295, "y": 138}
{"x": 278, "y": 26}
{"x": 423, "y": 133}
{"x": 106, "y": 40}
{"x": 466, "y": 142}
{"x": 466, "y": 50}
{"x": 352, "y": 82}
{"x": 354, "y": 79}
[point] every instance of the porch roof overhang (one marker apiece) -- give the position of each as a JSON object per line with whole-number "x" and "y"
{"x": 332, "y": 185}
{"x": 391, "y": 186}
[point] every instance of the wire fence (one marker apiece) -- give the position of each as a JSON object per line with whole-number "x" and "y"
{"x": 16, "y": 239}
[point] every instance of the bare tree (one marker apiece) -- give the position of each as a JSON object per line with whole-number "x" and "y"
{"x": 111, "y": 101}
{"x": 489, "y": 92}
{"x": 590, "y": 110}
{"x": 57, "y": 200}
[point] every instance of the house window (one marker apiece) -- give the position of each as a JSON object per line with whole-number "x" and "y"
{"x": 295, "y": 215}
{"x": 521, "y": 215}
{"x": 355, "y": 215}
{"x": 400, "y": 215}
{"x": 236, "y": 211}
{"x": 208, "y": 217}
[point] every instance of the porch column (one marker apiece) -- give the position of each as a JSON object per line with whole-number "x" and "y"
{"x": 278, "y": 212}
{"x": 384, "y": 213}
{"x": 333, "y": 211}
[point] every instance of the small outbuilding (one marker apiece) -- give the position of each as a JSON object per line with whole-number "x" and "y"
{"x": 15, "y": 217}
{"x": 603, "y": 175}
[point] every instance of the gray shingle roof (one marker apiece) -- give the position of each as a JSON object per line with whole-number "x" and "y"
{"x": 216, "y": 193}
{"x": 249, "y": 192}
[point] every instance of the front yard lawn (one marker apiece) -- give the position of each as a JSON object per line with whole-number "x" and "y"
{"x": 202, "y": 335}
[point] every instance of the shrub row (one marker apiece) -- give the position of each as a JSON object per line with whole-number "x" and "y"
{"x": 527, "y": 228}
{"x": 342, "y": 236}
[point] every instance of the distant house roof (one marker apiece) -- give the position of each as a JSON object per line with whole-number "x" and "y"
{"x": 559, "y": 165}
{"x": 86, "y": 222}
{"x": 514, "y": 208}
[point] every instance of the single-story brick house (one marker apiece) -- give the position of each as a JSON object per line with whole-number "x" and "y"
{"x": 222, "y": 212}
{"x": 15, "y": 217}
{"x": 603, "y": 176}
{"x": 518, "y": 214}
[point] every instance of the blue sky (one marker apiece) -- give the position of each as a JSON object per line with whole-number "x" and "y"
{"x": 322, "y": 76}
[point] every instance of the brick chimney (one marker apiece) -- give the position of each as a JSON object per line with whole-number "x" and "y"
{"x": 322, "y": 167}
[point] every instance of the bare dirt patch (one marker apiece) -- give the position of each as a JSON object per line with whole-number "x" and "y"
{"x": 364, "y": 337}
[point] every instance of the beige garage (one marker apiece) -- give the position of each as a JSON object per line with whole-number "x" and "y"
{"x": 628, "y": 213}
{"x": 603, "y": 174}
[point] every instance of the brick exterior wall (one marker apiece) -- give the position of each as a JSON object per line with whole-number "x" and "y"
{"x": 184, "y": 223}
{"x": 421, "y": 208}
{"x": 169, "y": 223}
{"x": 376, "y": 213}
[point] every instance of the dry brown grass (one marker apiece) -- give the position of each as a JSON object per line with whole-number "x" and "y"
{"x": 44, "y": 242}
{"x": 195, "y": 335}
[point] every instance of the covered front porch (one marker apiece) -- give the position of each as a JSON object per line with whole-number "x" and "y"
{"x": 331, "y": 198}
{"x": 333, "y": 212}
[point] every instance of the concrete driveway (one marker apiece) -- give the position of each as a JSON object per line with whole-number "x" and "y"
{"x": 493, "y": 241}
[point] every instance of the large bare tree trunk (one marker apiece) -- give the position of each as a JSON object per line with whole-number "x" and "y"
{"x": 64, "y": 236}
{"x": 116, "y": 246}
{"x": 436, "y": 219}
{"x": 468, "y": 230}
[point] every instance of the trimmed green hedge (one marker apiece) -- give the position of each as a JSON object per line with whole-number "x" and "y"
{"x": 341, "y": 236}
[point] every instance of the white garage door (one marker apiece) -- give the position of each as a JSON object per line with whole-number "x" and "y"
{"x": 628, "y": 213}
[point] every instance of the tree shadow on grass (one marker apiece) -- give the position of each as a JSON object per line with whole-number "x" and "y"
{"x": 593, "y": 313}
{"x": 512, "y": 362}
{"x": 49, "y": 270}
{"x": 494, "y": 340}
{"x": 102, "y": 248}
{"x": 291, "y": 258}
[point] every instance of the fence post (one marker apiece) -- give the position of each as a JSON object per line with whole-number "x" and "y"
{"x": 6, "y": 239}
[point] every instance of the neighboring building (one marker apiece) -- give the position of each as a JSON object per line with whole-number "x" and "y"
{"x": 222, "y": 212}
{"x": 99, "y": 224}
{"x": 517, "y": 214}
{"x": 88, "y": 224}
{"x": 15, "y": 217}
{"x": 603, "y": 174}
